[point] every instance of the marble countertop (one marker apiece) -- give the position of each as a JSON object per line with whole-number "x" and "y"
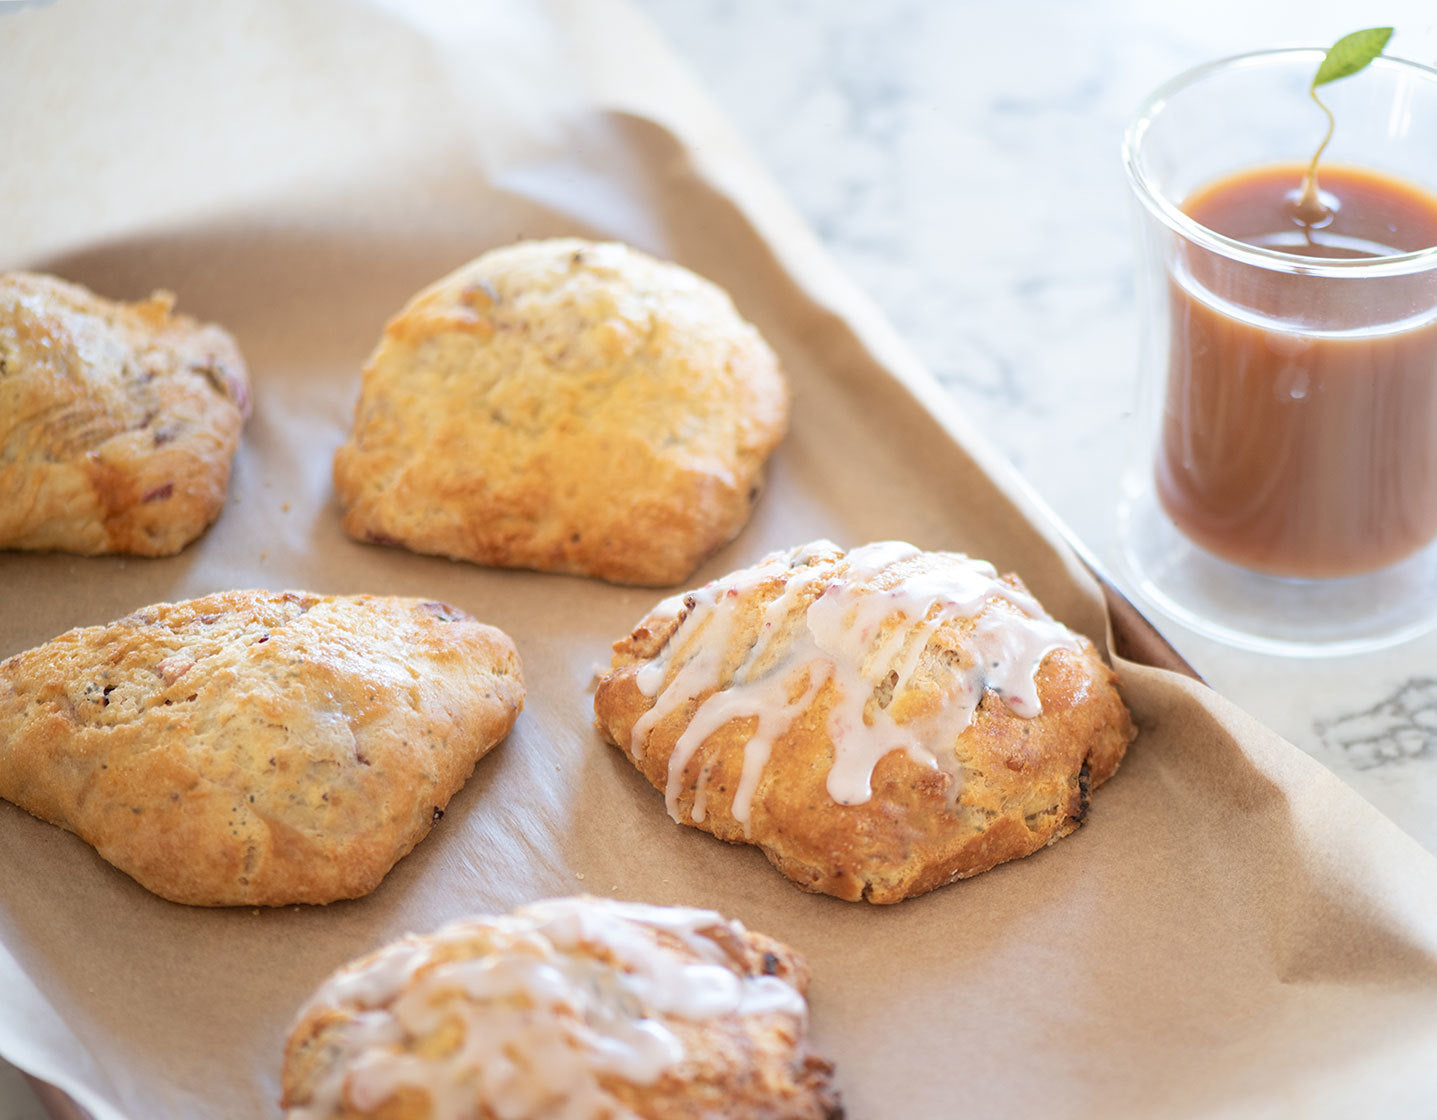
{"x": 961, "y": 162}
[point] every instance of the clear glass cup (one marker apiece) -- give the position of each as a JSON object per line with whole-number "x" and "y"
{"x": 1282, "y": 492}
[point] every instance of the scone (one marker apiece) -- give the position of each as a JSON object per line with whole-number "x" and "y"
{"x": 580, "y": 1009}
{"x": 256, "y": 748}
{"x": 118, "y": 421}
{"x": 879, "y": 722}
{"x": 564, "y": 406}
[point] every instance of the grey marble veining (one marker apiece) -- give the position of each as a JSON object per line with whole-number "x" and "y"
{"x": 961, "y": 162}
{"x": 1399, "y": 728}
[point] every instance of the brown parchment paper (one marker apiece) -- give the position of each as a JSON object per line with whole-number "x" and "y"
{"x": 1233, "y": 932}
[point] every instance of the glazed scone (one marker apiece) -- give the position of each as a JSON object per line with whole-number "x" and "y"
{"x": 118, "y": 421}
{"x": 879, "y": 722}
{"x": 580, "y": 1009}
{"x": 256, "y": 748}
{"x": 564, "y": 406}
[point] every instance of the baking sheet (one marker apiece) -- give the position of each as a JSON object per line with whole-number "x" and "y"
{"x": 1233, "y": 931}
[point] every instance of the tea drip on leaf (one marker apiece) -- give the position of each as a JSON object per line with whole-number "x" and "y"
{"x": 1345, "y": 57}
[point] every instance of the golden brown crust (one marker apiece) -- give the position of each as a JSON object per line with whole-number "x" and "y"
{"x": 751, "y": 1063}
{"x": 118, "y": 421}
{"x": 252, "y": 747}
{"x": 564, "y": 406}
{"x": 1003, "y": 787}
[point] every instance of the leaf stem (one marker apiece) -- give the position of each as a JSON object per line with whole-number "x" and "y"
{"x": 1310, "y": 209}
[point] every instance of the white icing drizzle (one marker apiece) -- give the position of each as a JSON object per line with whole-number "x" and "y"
{"x": 573, "y": 989}
{"x": 850, "y": 633}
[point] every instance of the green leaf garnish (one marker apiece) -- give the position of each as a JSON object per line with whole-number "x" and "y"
{"x": 1350, "y": 54}
{"x": 1344, "y": 58}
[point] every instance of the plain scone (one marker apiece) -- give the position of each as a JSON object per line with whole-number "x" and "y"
{"x": 879, "y": 722}
{"x": 581, "y": 1008}
{"x": 256, "y": 748}
{"x": 564, "y": 406}
{"x": 118, "y": 421}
